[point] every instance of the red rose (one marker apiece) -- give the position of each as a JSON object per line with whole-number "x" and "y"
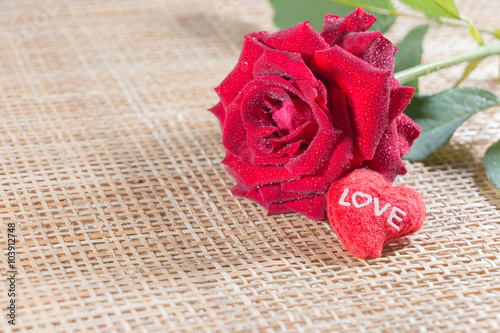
{"x": 300, "y": 109}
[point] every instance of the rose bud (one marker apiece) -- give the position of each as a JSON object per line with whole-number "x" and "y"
{"x": 300, "y": 109}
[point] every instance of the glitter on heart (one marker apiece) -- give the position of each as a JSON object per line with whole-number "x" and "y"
{"x": 367, "y": 212}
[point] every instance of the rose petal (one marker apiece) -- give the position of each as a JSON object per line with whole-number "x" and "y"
{"x": 315, "y": 156}
{"x": 219, "y": 112}
{"x": 252, "y": 194}
{"x": 250, "y": 175}
{"x": 313, "y": 208}
{"x": 273, "y": 193}
{"x": 367, "y": 89}
{"x": 304, "y": 132}
{"x": 301, "y": 38}
{"x": 387, "y": 159}
{"x": 242, "y": 73}
{"x": 408, "y": 131}
{"x": 287, "y": 117}
{"x": 254, "y": 101}
{"x": 287, "y": 65}
{"x": 338, "y": 163}
{"x": 234, "y": 133}
{"x": 339, "y": 111}
{"x": 357, "y": 43}
{"x": 380, "y": 54}
{"x": 335, "y": 26}
{"x": 255, "y": 119}
{"x": 317, "y": 100}
{"x": 280, "y": 156}
{"x": 400, "y": 98}
{"x": 274, "y": 209}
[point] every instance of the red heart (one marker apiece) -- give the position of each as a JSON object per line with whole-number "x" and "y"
{"x": 366, "y": 212}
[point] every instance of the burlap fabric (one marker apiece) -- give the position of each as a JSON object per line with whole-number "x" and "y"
{"x": 124, "y": 220}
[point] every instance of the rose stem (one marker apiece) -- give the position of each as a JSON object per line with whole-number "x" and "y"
{"x": 478, "y": 53}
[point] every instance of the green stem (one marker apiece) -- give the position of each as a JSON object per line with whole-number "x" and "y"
{"x": 458, "y": 23}
{"x": 478, "y": 53}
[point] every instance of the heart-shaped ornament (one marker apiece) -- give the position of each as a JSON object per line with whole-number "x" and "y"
{"x": 366, "y": 212}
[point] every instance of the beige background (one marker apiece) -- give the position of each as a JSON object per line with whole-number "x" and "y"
{"x": 109, "y": 166}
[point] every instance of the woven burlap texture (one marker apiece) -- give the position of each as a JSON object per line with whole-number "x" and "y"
{"x": 110, "y": 169}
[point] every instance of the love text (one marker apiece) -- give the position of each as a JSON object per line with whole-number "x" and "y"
{"x": 360, "y": 199}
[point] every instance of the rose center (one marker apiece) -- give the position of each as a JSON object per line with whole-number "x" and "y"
{"x": 285, "y": 117}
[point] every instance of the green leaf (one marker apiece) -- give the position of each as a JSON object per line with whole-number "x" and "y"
{"x": 491, "y": 162}
{"x": 291, "y": 12}
{"x": 436, "y": 8}
{"x": 497, "y": 33}
{"x": 470, "y": 67}
{"x": 441, "y": 114}
{"x": 410, "y": 52}
{"x": 475, "y": 33}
